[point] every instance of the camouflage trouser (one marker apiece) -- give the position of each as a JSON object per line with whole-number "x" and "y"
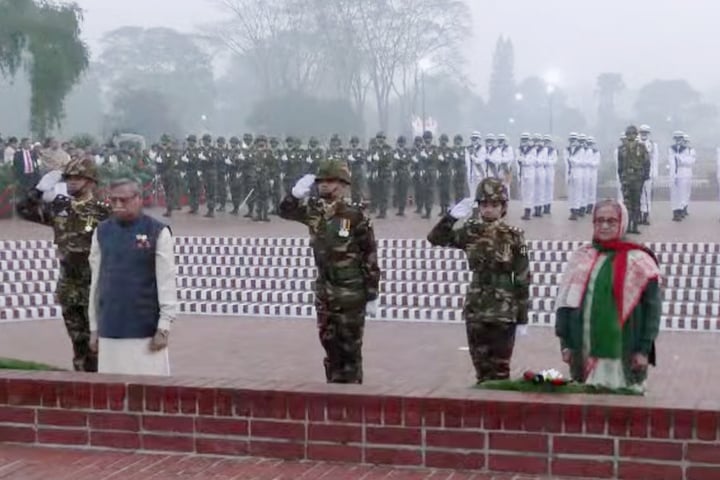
{"x": 460, "y": 187}
{"x": 418, "y": 194}
{"x": 210, "y": 181}
{"x": 277, "y": 193}
{"x": 491, "y": 346}
{"x": 402, "y": 185}
{"x": 236, "y": 190}
{"x": 171, "y": 186}
{"x": 341, "y": 335}
{"x": 357, "y": 187}
{"x": 632, "y": 192}
{"x": 428, "y": 194}
{"x": 221, "y": 193}
{"x": 444, "y": 191}
{"x": 78, "y": 328}
{"x": 382, "y": 194}
{"x": 193, "y": 185}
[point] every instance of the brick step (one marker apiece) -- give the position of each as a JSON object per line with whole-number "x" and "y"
{"x": 235, "y": 309}
{"x": 407, "y": 243}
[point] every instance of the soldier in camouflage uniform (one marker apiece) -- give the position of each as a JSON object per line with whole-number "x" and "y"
{"x": 459, "y": 169}
{"x": 345, "y": 251}
{"x": 208, "y": 167}
{"x": 444, "y": 164}
{"x": 428, "y": 172}
{"x": 247, "y": 173}
{"x": 168, "y": 167}
{"x": 383, "y": 159}
{"x": 417, "y": 174}
{"x": 402, "y": 160}
{"x": 234, "y": 179}
{"x": 263, "y": 162}
{"x": 356, "y": 159}
{"x": 73, "y": 221}
{"x": 633, "y": 171}
{"x": 276, "y": 174}
{"x": 497, "y": 298}
{"x": 222, "y": 165}
{"x": 191, "y": 162}
{"x": 372, "y": 174}
{"x": 314, "y": 155}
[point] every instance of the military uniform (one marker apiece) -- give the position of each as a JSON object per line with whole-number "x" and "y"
{"x": 401, "y": 168}
{"x": 234, "y": 175}
{"x": 356, "y": 159}
{"x": 222, "y": 166}
{"x": 345, "y": 251}
{"x": 73, "y": 223}
{"x": 263, "y": 162}
{"x": 459, "y": 169}
{"x": 497, "y": 298}
{"x": 191, "y": 162}
{"x": 169, "y": 170}
{"x": 444, "y": 173}
{"x": 633, "y": 171}
{"x": 208, "y": 167}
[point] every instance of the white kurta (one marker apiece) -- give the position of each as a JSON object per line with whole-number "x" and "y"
{"x": 132, "y": 356}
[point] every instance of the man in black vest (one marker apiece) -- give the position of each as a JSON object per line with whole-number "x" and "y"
{"x": 133, "y": 297}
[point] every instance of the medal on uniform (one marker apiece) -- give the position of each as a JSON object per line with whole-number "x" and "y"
{"x": 88, "y": 226}
{"x": 344, "y": 228}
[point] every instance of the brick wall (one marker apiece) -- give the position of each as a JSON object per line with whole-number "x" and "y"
{"x": 603, "y": 437}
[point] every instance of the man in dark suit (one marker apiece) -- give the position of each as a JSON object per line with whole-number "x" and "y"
{"x": 26, "y": 169}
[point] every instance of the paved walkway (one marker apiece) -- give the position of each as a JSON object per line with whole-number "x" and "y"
{"x": 397, "y": 355}
{"x": 701, "y": 226}
{"x": 23, "y": 463}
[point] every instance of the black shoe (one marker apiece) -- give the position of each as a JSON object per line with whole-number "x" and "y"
{"x": 538, "y": 212}
{"x": 527, "y": 215}
{"x": 546, "y": 209}
{"x": 210, "y": 214}
{"x": 589, "y": 209}
{"x": 573, "y": 215}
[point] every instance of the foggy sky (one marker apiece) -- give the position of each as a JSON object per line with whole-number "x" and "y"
{"x": 642, "y": 39}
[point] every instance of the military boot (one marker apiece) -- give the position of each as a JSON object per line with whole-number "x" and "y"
{"x": 221, "y": 207}
{"x": 684, "y": 211}
{"x": 644, "y": 219}
{"x": 235, "y": 210}
{"x": 210, "y": 214}
{"x": 538, "y": 212}
{"x": 546, "y": 209}
{"x": 573, "y": 215}
{"x": 527, "y": 215}
{"x": 581, "y": 212}
{"x": 677, "y": 216}
{"x": 589, "y": 209}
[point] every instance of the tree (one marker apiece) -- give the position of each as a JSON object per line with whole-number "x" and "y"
{"x": 609, "y": 85}
{"x": 46, "y": 38}
{"x": 304, "y": 116}
{"x": 145, "y": 112}
{"x": 502, "y": 81}
{"x": 347, "y": 45}
{"x": 160, "y": 60}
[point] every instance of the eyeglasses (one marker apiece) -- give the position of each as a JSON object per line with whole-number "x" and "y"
{"x": 611, "y": 222}
{"x": 122, "y": 200}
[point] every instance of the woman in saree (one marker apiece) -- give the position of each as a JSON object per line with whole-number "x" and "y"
{"x": 608, "y": 306}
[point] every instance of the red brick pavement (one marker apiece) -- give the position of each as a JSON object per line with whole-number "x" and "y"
{"x": 397, "y": 355}
{"x": 701, "y": 226}
{"x": 24, "y": 463}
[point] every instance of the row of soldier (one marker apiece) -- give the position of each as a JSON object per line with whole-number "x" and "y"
{"x": 256, "y": 171}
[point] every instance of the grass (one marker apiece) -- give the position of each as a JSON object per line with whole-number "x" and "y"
{"x": 570, "y": 388}
{"x": 14, "y": 364}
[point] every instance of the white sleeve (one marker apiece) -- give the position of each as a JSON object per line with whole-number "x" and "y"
{"x": 95, "y": 261}
{"x": 165, "y": 273}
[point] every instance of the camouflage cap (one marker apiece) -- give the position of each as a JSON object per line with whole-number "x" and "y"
{"x": 79, "y": 167}
{"x": 165, "y": 138}
{"x": 207, "y": 138}
{"x": 444, "y": 137}
{"x": 234, "y": 140}
{"x": 333, "y": 170}
{"x": 220, "y": 140}
{"x": 492, "y": 190}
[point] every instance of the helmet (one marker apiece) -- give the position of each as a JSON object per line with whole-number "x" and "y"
{"x": 444, "y": 138}
{"x": 191, "y": 139}
{"x": 234, "y": 141}
{"x": 427, "y": 134}
{"x": 525, "y": 135}
{"x": 165, "y": 138}
{"x": 79, "y": 167}
{"x": 354, "y": 140}
{"x": 333, "y": 170}
{"x": 644, "y": 128}
{"x": 220, "y": 140}
{"x": 493, "y": 190}
{"x": 207, "y": 138}
{"x": 401, "y": 140}
{"x": 260, "y": 139}
{"x": 274, "y": 141}
{"x": 458, "y": 139}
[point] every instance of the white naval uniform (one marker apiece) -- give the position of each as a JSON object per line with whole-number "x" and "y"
{"x": 646, "y": 196}
{"x": 132, "y": 356}
{"x": 549, "y": 190}
{"x": 507, "y": 158}
{"x": 592, "y": 162}
{"x": 680, "y": 162}
{"x": 717, "y": 170}
{"x": 475, "y": 166}
{"x": 527, "y": 169}
{"x": 574, "y": 156}
{"x": 540, "y": 176}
